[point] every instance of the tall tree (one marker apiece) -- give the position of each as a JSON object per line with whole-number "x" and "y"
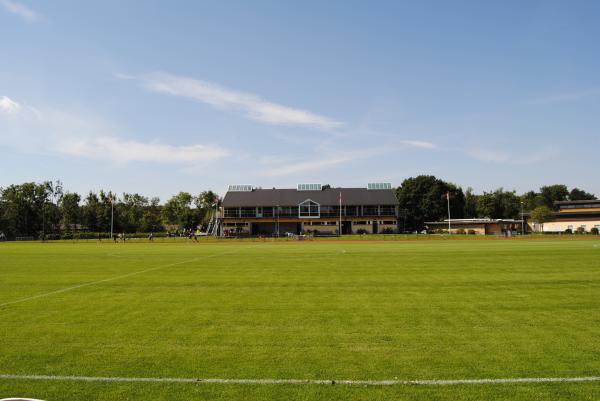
{"x": 553, "y": 193}
{"x": 579, "y": 194}
{"x": 131, "y": 210}
{"x": 151, "y": 219}
{"x": 425, "y": 199}
{"x": 470, "y": 204}
{"x": 24, "y": 208}
{"x": 69, "y": 210}
{"x": 205, "y": 204}
{"x": 499, "y": 204}
{"x": 531, "y": 200}
{"x": 106, "y": 210}
{"x": 542, "y": 214}
{"x": 177, "y": 211}
{"x": 90, "y": 212}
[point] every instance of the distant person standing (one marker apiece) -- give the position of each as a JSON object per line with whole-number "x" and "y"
{"x": 151, "y": 237}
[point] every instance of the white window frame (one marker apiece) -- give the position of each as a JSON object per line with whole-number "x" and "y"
{"x": 300, "y": 216}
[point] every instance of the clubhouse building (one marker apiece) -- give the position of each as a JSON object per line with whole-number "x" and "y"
{"x": 575, "y": 215}
{"x": 309, "y": 208}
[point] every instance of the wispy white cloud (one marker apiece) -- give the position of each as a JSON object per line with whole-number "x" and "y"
{"x": 504, "y": 157}
{"x": 489, "y": 155}
{"x": 312, "y": 165}
{"x": 419, "y": 144}
{"x": 222, "y": 98}
{"x": 9, "y": 106}
{"x": 21, "y": 10}
{"x": 69, "y": 134}
{"x": 331, "y": 157}
{"x": 567, "y": 96}
{"x": 124, "y": 151}
{"x": 538, "y": 156}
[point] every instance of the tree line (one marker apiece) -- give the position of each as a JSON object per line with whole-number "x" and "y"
{"x": 46, "y": 209}
{"x": 423, "y": 199}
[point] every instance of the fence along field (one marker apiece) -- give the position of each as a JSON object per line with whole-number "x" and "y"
{"x": 464, "y": 319}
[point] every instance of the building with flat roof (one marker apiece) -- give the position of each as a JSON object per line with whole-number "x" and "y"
{"x": 479, "y": 226}
{"x": 309, "y": 208}
{"x": 574, "y": 215}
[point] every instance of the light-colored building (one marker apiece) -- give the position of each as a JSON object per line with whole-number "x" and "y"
{"x": 485, "y": 226}
{"x": 575, "y": 216}
{"x": 309, "y": 208}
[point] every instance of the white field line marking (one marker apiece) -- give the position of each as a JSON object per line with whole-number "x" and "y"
{"x": 304, "y": 382}
{"x": 114, "y": 278}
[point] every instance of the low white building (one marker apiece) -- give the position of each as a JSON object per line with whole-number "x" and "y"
{"x": 575, "y": 216}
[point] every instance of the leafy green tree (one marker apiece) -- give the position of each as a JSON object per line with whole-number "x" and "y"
{"x": 177, "y": 211}
{"x": 104, "y": 212}
{"x": 553, "y": 193}
{"x": 531, "y": 200}
{"x": 206, "y": 200}
{"x": 487, "y": 205}
{"x": 499, "y": 204}
{"x": 425, "y": 199}
{"x": 579, "y": 194}
{"x": 205, "y": 204}
{"x": 151, "y": 218}
{"x": 542, "y": 214}
{"x": 90, "y": 212}
{"x": 24, "y": 209}
{"x": 470, "y": 204}
{"x": 69, "y": 210}
{"x": 131, "y": 211}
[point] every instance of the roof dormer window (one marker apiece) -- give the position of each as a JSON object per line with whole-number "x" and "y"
{"x": 309, "y": 209}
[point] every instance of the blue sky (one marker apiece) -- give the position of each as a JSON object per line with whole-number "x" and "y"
{"x": 156, "y": 97}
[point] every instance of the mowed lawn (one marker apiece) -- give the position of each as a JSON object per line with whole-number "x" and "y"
{"x": 408, "y": 310}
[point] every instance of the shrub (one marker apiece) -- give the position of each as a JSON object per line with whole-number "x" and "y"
{"x": 568, "y": 231}
{"x": 387, "y": 231}
{"x": 472, "y": 232}
{"x": 580, "y": 230}
{"x": 361, "y": 231}
{"x": 461, "y": 231}
{"x": 595, "y": 230}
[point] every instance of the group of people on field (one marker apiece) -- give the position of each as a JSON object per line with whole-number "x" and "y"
{"x": 121, "y": 237}
{"x": 189, "y": 233}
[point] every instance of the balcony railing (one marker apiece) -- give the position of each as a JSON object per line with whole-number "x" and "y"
{"x": 325, "y": 211}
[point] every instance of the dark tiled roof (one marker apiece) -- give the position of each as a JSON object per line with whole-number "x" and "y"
{"x": 293, "y": 197}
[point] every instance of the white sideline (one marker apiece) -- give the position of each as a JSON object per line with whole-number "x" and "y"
{"x": 304, "y": 382}
{"x": 113, "y": 278}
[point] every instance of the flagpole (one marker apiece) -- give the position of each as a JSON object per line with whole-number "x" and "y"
{"x": 112, "y": 215}
{"x": 449, "y": 218}
{"x": 340, "y": 213}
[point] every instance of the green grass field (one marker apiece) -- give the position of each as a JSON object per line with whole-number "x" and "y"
{"x": 404, "y": 310}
